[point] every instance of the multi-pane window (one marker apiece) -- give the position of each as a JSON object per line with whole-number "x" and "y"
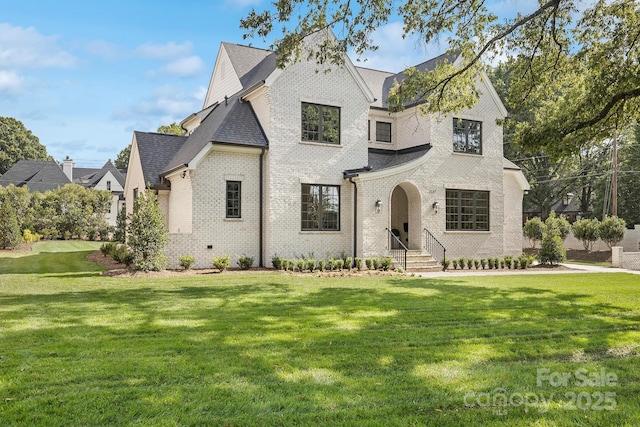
{"x": 233, "y": 199}
{"x": 320, "y": 123}
{"x": 467, "y": 136}
{"x": 320, "y": 207}
{"x": 383, "y": 132}
{"x": 109, "y": 185}
{"x": 467, "y": 210}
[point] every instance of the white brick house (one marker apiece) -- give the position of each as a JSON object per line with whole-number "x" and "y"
{"x": 309, "y": 160}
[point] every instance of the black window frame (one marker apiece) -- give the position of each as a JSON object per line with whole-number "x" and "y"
{"x": 467, "y": 210}
{"x": 383, "y": 131}
{"x": 462, "y": 131}
{"x": 312, "y": 218}
{"x": 308, "y": 129}
{"x": 233, "y": 200}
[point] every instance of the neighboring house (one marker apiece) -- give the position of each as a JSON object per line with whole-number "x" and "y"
{"x": 568, "y": 207}
{"x": 42, "y": 176}
{"x": 308, "y": 160}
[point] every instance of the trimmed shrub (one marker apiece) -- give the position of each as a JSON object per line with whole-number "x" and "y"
{"x": 311, "y": 264}
{"x": 301, "y": 264}
{"x": 446, "y": 262}
{"x": 376, "y": 263}
{"x": 469, "y": 263}
{"x": 559, "y": 224}
{"x": 551, "y": 250}
{"x": 533, "y": 230}
{"x": 321, "y": 265}
{"x": 245, "y": 262}
{"x": 348, "y": 263}
{"x": 108, "y": 248}
{"x": 386, "y": 263}
{"x": 276, "y": 261}
{"x": 508, "y": 260}
{"x": 29, "y": 237}
{"x": 483, "y": 263}
{"x": 339, "y": 264}
{"x": 587, "y": 231}
{"x": 369, "y": 262}
{"x": 476, "y": 263}
{"x": 221, "y": 262}
{"x": 187, "y": 261}
{"x": 612, "y": 230}
{"x": 454, "y": 262}
{"x": 358, "y": 263}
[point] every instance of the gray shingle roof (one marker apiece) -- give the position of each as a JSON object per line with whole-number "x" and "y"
{"x": 247, "y": 61}
{"x": 156, "y": 152}
{"x": 385, "y": 159}
{"x": 90, "y": 177}
{"x": 37, "y": 175}
{"x": 233, "y": 122}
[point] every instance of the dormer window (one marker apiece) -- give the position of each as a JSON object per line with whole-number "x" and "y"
{"x": 320, "y": 123}
{"x": 383, "y": 132}
{"x": 467, "y": 136}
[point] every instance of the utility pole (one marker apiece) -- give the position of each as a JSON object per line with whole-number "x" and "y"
{"x": 614, "y": 176}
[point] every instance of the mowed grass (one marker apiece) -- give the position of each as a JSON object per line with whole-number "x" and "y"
{"x": 269, "y": 349}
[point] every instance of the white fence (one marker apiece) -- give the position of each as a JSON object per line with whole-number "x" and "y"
{"x": 629, "y": 243}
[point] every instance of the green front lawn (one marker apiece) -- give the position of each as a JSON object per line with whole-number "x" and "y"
{"x": 271, "y": 349}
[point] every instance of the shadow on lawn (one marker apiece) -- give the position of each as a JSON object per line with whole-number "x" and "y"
{"x": 277, "y": 353}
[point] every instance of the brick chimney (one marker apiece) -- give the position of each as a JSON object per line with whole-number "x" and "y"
{"x": 67, "y": 168}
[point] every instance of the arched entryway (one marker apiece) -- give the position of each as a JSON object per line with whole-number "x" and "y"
{"x": 406, "y": 219}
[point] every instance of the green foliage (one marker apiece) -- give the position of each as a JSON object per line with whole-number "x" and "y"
{"x": 29, "y": 237}
{"x": 469, "y": 263}
{"x": 560, "y": 224}
{"x": 551, "y": 250}
{"x": 120, "y": 232}
{"x": 122, "y": 160}
{"x": 245, "y": 262}
{"x": 358, "y": 263}
{"x": 147, "y": 234}
{"x": 321, "y": 265}
{"x": 483, "y": 263}
{"x": 123, "y": 255}
{"x": 386, "y": 263}
{"x": 455, "y": 263}
{"x": 587, "y": 231}
{"x": 221, "y": 262}
{"x": 533, "y": 230}
{"x": 612, "y": 230}
{"x": 172, "y": 129}
{"x": 311, "y": 264}
{"x": 339, "y": 264}
{"x": 375, "y": 263}
{"x": 10, "y": 236}
{"x": 277, "y": 262}
{"x": 508, "y": 261}
{"x": 108, "y": 248}
{"x": 446, "y": 262}
{"x": 348, "y": 263}
{"x": 187, "y": 261}
{"x": 462, "y": 261}
{"x": 476, "y": 263}
{"x": 18, "y": 143}
{"x": 369, "y": 263}
{"x": 301, "y": 264}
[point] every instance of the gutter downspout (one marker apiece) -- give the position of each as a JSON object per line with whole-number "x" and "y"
{"x": 355, "y": 217}
{"x": 260, "y": 260}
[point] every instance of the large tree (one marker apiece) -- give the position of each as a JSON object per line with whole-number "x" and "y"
{"x": 580, "y": 60}
{"x": 18, "y": 143}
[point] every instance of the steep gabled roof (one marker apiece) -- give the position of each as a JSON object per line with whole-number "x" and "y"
{"x": 90, "y": 177}
{"x": 37, "y": 175}
{"x": 156, "y": 152}
{"x": 247, "y": 60}
{"x": 233, "y": 122}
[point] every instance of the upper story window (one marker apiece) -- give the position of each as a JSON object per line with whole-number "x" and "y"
{"x": 320, "y": 207}
{"x": 109, "y": 185}
{"x": 467, "y": 210}
{"x": 383, "y": 132}
{"x": 233, "y": 199}
{"x": 467, "y": 136}
{"x": 320, "y": 123}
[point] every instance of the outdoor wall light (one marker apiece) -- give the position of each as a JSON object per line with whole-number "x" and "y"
{"x": 184, "y": 174}
{"x": 378, "y": 205}
{"x": 435, "y": 206}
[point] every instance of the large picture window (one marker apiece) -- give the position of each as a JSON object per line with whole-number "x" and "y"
{"x": 233, "y": 199}
{"x": 320, "y": 207}
{"x": 467, "y": 136}
{"x": 320, "y": 123}
{"x": 467, "y": 210}
{"x": 383, "y": 132}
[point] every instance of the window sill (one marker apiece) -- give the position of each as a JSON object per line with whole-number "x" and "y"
{"x": 234, "y": 220}
{"x": 323, "y": 232}
{"x": 467, "y": 232}
{"x": 458, "y": 153}
{"x": 321, "y": 144}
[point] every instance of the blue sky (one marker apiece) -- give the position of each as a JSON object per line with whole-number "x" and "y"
{"x": 82, "y": 76}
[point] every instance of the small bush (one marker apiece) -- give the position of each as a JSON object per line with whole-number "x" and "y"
{"x": 551, "y": 250}
{"x": 386, "y": 263}
{"x": 301, "y": 264}
{"x": 516, "y": 263}
{"x": 122, "y": 255}
{"x": 483, "y": 263}
{"x": 559, "y": 224}
{"x": 496, "y": 263}
{"x": 455, "y": 263}
{"x": 187, "y": 261}
{"x": 399, "y": 270}
{"x": 462, "y": 261}
{"x": 348, "y": 263}
{"x": 445, "y": 263}
{"x": 508, "y": 260}
{"x": 587, "y": 231}
{"x": 612, "y": 230}
{"x": 369, "y": 262}
{"x": 339, "y": 264}
{"x": 108, "y": 248}
{"x": 501, "y": 261}
{"x": 245, "y": 262}
{"x": 29, "y": 237}
{"x": 221, "y": 262}
{"x": 331, "y": 265}
{"x": 311, "y": 264}
{"x": 375, "y": 263}
{"x": 476, "y": 263}
{"x": 321, "y": 264}
{"x": 470, "y": 263}
{"x": 276, "y": 262}
{"x": 358, "y": 263}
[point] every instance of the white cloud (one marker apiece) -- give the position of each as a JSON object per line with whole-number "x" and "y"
{"x": 167, "y": 104}
{"x": 10, "y": 83}
{"x": 22, "y": 48}
{"x": 184, "y": 67}
{"x": 102, "y": 49}
{"x": 167, "y": 51}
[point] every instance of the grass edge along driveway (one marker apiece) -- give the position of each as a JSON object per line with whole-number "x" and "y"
{"x": 272, "y": 349}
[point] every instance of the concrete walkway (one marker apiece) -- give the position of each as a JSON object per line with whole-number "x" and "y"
{"x": 571, "y": 269}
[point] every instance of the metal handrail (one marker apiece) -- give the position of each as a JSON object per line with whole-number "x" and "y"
{"x": 399, "y": 250}
{"x": 433, "y": 245}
